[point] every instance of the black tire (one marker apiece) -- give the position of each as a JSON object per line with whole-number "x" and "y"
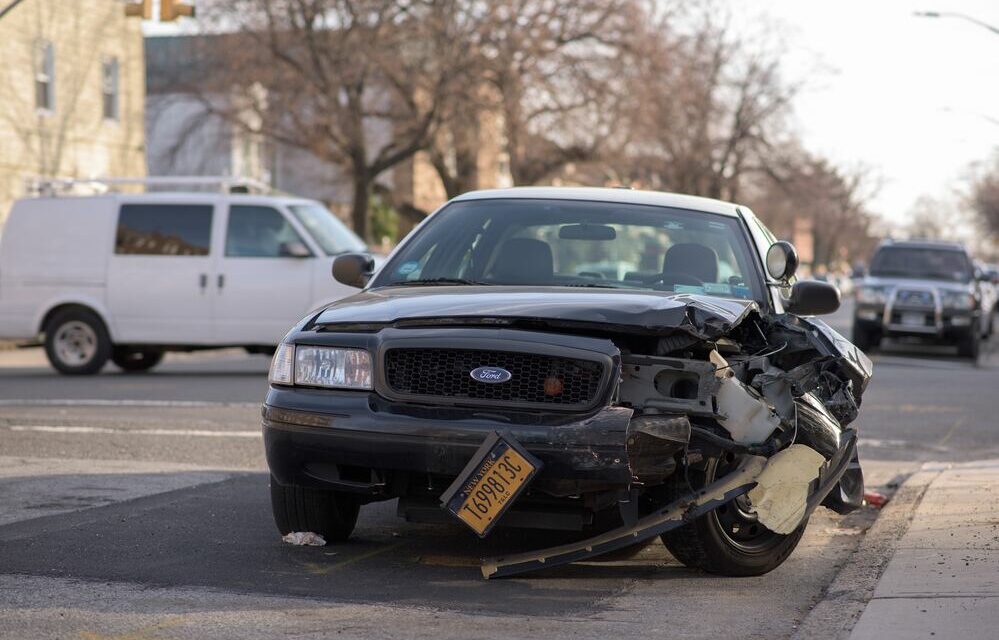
{"x": 135, "y": 360}
{"x": 77, "y": 342}
{"x": 709, "y": 543}
{"x": 865, "y": 338}
{"x": 969, "y": 345}
{"x": 331, "y": 514}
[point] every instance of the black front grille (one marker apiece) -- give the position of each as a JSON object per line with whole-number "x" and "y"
{"x": 535, "y": 379}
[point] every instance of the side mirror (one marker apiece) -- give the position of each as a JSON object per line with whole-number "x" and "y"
{"x": 782, "y": 261}
{"x": 294, "y": 249}
{"x": 812, "y": 298}
{"x": 353, "y": 269}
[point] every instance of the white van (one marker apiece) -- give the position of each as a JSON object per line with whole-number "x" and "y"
{"x": 128, "y": 277}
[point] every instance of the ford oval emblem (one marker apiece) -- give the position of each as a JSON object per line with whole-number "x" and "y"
{"x": 490, "y": 375}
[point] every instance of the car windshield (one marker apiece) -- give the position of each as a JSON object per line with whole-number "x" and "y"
{"x": 914, "y": 262}
{"x": 566, "y": 243}
{"x": 331, "y": 234}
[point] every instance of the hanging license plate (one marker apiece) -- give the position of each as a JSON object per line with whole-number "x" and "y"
{"x": 498, "y": 472}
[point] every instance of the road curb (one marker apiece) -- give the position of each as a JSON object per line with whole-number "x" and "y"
{"x": 847, "y": 596}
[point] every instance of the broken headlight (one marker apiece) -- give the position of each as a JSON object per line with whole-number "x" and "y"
{"x": 872, "y": 295}
{"x": 957, "y": 300}
{"x": 331, "y": 367}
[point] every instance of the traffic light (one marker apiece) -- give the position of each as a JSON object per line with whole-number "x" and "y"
{"x": 143, "y": 9}
{"x": 170, "y": 10}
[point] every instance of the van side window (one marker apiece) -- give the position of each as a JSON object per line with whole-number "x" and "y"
{"x": 164, "y": 230}
{"x": 258, "y": 232}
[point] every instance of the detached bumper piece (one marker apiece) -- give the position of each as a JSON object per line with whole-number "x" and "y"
{"x": 681, "y": 512}
{"x": 673, "y": 515}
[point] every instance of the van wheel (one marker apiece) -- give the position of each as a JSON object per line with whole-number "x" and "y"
{"x": 331, "y": 514}
{"x": 728, "y": 541}
{"x": 135, "y": 360}
{"x": 76, "y": 342}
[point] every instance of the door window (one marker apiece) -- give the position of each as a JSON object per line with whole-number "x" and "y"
{"x": 258, "y": 232}
{"x": 164, "y": 230}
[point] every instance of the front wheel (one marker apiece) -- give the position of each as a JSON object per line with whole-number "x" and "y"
{"x": 77, "y": 342}
{"x": 728, "y": 541}
{"x": 331, "y": 514}
{"x": 969, "y": 344}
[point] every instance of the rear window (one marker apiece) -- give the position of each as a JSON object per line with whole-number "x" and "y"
{"x": 164, "y": 230}
{"x": 920, "y": 262}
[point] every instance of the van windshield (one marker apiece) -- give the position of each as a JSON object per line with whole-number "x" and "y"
{"x": 332, "y": 235}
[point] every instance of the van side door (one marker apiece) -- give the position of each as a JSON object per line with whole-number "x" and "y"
{"x": 264, "y": 280}
{"x": 158, "y": 274}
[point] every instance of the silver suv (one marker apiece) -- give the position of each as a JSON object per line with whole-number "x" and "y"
{"x": 922, "y": 289}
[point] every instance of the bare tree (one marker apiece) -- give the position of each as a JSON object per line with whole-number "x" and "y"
{"x": 552, "y": 67}
{"x": 984, "y": 198}
{"x": 830, "y": 201}
{"x": 708, "y": 106}
{"x": 357, "y": 83}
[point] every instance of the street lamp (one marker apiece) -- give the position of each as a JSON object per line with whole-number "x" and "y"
{"x": 960, "y": 16}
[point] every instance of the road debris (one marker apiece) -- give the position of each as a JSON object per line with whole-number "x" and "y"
{"x": 304, "y": 539}
{"x": 875, "y": 499}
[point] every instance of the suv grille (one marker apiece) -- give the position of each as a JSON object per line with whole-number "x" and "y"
{"x": 535, "y": 380}
{"x": 914, "y": 298}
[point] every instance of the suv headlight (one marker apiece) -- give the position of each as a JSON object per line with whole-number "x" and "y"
{"x": 957, "y": 300}
{"x": 332, "y": 367}
{"x": 872, "y": 295}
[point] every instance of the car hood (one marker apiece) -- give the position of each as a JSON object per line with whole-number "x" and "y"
{"x": 642, "y": 311}
{"x": 918, "y": 283}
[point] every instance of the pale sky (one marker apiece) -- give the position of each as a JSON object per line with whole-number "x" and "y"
{"x": 908, "y": 97}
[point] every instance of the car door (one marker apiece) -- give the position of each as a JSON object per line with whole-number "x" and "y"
{"x": 264, "y": 280}
{"x": 158, "y": 274}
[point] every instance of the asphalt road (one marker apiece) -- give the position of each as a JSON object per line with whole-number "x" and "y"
{"x": 136, "y": 506}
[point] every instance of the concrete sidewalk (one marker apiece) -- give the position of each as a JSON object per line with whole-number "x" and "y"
{"x": 943, "y": 579}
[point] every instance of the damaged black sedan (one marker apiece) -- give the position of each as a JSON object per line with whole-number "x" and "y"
{"x": 623, "y": 363}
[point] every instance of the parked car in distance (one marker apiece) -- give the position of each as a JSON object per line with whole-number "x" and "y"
{"x": 921, "y": 289}
{"x": 127, "y": 277}
{"x": 491, "y": 374}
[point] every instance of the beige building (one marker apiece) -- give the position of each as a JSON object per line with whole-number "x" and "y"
{"x": 72, "y": 88}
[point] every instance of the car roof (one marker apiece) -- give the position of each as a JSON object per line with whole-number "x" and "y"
{"x": 174, "y": 197}
{"x": 615, "y": 195}
{"x": 923, "y": 244}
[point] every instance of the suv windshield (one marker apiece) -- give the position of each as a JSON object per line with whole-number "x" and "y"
{"x": 331, "y": 234}
{"x": 567, "y": 243}
{"x": 916, "y": 262}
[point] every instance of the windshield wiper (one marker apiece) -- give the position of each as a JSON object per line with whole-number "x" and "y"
{"x": 594, "y": 285}
{"x": 433, "y": 281}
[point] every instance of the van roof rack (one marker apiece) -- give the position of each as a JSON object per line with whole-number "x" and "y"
{"x": 51, "y": 187}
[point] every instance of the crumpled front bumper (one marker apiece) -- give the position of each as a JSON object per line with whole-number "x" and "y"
{"x": 309, "y": 434}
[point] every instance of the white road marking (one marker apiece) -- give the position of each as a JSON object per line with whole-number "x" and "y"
{"x": 90, "y": 402}
{"x": 201, "y": 433}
